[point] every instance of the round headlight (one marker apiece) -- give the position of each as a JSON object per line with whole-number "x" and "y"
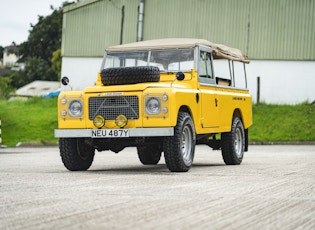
{"x": 98, "y": 121}
{"x": 153, "y": 105}
{"x": 121, "y": 121}
{"x": 75, "y": 108}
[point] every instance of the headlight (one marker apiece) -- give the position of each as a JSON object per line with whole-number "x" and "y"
{"x": 152, "y": 105}
{"x": 75, "y": 108}
{"x": 98, "y": 121}
{"x": 121, "y": 121}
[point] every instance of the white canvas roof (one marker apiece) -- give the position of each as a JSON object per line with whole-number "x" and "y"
{"x": 222, "y": 51}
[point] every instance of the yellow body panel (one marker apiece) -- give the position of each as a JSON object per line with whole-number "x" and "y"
{"x": 210, "y": 106}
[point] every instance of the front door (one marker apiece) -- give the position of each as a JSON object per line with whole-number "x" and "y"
{"x": 209, "y": 101}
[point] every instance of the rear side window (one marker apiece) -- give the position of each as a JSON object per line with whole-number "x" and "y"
{"x": 205, "y": 71}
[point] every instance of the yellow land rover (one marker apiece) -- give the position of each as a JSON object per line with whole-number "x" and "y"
{"x": 158, "y": 96}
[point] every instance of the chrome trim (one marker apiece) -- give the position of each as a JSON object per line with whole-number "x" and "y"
{"x": 135, "y": 132}
{"x": 73, "y": 132}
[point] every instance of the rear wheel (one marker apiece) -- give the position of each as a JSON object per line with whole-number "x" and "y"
{"x": 179, "y": 150}
{"x": 233, "y": 143}
{"x": 76, "y": 155}
{"x": 149, "y": 155}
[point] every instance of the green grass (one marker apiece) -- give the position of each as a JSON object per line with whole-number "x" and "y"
{"x": 28, "y": 121}
{"x": 34, "y": 120}
{"x": 283, "y": 123}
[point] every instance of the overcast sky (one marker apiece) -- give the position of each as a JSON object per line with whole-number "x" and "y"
{"x": 17, "y": 15}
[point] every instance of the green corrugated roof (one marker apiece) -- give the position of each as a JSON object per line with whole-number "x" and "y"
{"x": 264, "y": 29}
{"x": 91, "y": 26}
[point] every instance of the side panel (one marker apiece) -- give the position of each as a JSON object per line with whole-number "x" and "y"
{"x": 230, "y": 100}
{"x": 185, "y": 98}
{"x": 209, "y": 107}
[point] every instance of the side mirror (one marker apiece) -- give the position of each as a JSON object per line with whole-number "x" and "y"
{"x": 65, "y": 81}
{"x": 180, "y": 76}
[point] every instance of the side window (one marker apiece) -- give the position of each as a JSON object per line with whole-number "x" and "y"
{"x": 205, "y": 68}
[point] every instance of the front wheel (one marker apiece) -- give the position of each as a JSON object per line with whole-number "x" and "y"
{"x": 233, "y": 143}
{"x": 179, "y": 150}
{"x": 76, "y": 155}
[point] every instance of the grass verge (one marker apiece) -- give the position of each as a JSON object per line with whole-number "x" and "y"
{"x": 34, "y": 120}
{"x": 283, "y": 123}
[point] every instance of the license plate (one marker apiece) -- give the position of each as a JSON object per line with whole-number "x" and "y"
{"x": 109, "y": 133}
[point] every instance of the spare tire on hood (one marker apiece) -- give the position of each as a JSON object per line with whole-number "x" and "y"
{"x": 130, "y": 75}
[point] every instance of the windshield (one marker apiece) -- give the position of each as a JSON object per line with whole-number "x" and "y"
{"x": 165, "y": 60}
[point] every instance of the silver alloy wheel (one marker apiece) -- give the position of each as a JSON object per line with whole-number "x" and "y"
{"x": 238, "y": 143}
{"x": 186, "y": 145}
{"x": 233, "y": 143}
{"x": 179, "y": 149}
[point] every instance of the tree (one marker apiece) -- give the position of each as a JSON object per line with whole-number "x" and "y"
{"x": 56, "y": 62}
{"x": 44, "y": 37}
{"x": 36, "y": 52}
{"x": 35, "y": 69}
{"x": 5, "y": 87}
{"x": 41, "y": 63}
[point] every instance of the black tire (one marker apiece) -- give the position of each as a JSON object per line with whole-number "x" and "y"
{"x": 179, "y": 150}
{"x": 149, "y": 155}
{"x": 75, "y": 154}
{"x": 233, "y": 143}
{"x": 130, "y": 75}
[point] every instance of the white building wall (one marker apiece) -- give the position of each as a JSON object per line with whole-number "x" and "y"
{"x": 282, "y": 82}
{"x": 82, "y": 72}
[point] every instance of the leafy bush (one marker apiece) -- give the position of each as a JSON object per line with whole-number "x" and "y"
{"x": 5, "y": 87}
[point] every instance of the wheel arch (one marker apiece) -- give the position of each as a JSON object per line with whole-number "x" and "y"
{"x": 237, "y": 113}
{"x": 186, "y": 108}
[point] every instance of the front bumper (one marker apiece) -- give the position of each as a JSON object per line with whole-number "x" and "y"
{"x": 134, "y": 132}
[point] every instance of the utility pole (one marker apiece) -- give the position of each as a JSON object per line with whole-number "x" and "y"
{"x": 258, "y": 90}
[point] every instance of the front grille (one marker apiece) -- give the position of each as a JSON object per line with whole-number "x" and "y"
{"x": 111, "y": 107}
